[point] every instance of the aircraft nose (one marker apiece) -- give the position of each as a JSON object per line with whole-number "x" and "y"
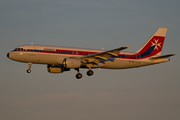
{"x": 8, "y": 55}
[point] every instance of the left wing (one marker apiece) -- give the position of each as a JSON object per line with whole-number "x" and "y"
{"x": 95, "y": 58}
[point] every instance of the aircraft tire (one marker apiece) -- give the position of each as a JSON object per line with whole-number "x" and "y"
{"x": 28, "y": 70}
{"x": 79, "y": 75}
{"x": 90, "y": 73}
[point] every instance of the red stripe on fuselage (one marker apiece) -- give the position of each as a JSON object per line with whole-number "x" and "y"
{"x": 80, "y": 53}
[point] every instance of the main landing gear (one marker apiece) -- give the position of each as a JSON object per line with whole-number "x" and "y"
{"x": 79, "y": 75}
{"x": 29, "y": 65}
{"x": 90, "y": 72}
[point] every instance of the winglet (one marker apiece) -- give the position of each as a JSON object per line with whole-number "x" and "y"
{"x": 129, "y": 47}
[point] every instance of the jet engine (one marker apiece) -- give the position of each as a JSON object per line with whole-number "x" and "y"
{"x": 56, "y": 68}
{"x": 71, "y": 63}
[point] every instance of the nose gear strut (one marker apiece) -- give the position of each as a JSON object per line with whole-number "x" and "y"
{"x": 29, "y": 65}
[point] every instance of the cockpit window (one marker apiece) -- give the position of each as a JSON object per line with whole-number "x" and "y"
{"x": 18, "y": 49}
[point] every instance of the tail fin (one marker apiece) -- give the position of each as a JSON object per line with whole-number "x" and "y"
{"x": 154, "y": 45}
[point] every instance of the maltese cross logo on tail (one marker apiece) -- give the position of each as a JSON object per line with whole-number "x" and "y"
{"x": 156, "y": 44}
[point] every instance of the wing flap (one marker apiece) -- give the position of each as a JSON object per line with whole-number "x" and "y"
{"x": 114, "y": 54}
{"x": 104, "y": 58}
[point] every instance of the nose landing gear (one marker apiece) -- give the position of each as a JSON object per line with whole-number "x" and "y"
{"x": 29, "y": 65}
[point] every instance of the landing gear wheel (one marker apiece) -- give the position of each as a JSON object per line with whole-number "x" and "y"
{"x": 79, "y": 75}
{"x": 28, "y": 70}
{"x": 90, "y": 72}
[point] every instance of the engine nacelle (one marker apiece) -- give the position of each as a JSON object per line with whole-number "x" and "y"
{"x": 56, "y": 69}
{"x": 71, "y": 63}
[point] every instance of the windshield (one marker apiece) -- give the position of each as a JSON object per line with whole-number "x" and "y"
{"x": 18, "y": 49}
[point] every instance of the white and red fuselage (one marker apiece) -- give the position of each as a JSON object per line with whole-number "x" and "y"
{"x": 92, "y": 58}
{"x": 55, "y": 55}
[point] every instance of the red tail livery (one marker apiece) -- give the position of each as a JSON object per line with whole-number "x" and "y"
{"x": 154, "y": 45}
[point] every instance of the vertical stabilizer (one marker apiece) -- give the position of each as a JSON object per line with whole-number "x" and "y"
{"x": 154, "y": 45}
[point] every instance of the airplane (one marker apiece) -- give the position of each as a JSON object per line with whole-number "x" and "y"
{"x": 61, "y": 59}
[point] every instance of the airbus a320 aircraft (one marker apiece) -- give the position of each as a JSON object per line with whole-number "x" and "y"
{"x": 61, "y": 59}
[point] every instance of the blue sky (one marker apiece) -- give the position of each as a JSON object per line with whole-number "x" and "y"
{"x": 150, "y": 92}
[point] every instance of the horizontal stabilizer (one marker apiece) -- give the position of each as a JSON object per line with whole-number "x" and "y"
{"x": 160, "y": 57}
